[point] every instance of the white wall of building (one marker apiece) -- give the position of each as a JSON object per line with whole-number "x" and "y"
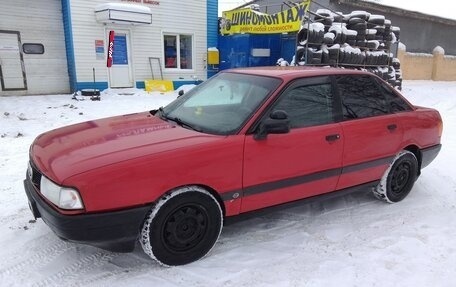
{"x": 37, "y": 22}
{"x": 184, "y": 17}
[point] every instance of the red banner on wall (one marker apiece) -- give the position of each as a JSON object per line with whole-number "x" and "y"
{"x": 110, "y": 49}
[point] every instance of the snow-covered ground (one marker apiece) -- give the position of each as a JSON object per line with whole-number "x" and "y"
{"x": 352, "y": 240}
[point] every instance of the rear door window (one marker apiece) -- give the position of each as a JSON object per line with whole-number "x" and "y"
{"x": 395, "y": 103}
{"x": 361, "y": 97}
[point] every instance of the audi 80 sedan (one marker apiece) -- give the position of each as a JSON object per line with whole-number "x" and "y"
{"x": 244, "y": 140}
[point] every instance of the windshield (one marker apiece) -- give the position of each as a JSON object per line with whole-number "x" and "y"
{"x": 222, "y": 104}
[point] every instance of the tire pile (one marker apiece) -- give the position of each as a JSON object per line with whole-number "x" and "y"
{"x": 358, "y": 40}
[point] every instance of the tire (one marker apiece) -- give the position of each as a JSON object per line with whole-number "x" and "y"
{"x": 228, "y": 25}
{"x": 355, "y": 20}
{"x": 182, "y": 226}
{"x": 299, "y": 54}
{"x": 302, "y": 35}
{"x": 398, "y": 180}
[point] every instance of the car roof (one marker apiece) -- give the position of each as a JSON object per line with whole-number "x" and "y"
{"x": 295, "y": 71}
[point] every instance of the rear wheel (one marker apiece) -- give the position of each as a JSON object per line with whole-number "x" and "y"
{"x": 398, "y": 180}
{"x": 182, "y": 227}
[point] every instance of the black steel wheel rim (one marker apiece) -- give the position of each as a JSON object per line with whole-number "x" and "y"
{"x": 401, "y": 177}
{"x": 185, "y": 228}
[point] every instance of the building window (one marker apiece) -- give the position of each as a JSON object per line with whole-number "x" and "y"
{"x": 178, "y": 51}
{"x": 33, "y": 48}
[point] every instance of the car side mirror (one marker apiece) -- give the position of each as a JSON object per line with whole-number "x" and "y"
{"x": 277, "y": 123}
{"x": 180, "y": 93}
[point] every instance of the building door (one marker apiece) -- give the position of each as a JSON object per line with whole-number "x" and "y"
{"x": 12, "y": 70}
{"x": 120, "y": 74}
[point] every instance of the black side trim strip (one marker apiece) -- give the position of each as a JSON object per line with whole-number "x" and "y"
{"x": 278, "y": 184}
{"x": 368, "y": 164}
{"x": 362, "y": 188}
{"x": 268, "y": 186}
{"x": 231, "y": 195}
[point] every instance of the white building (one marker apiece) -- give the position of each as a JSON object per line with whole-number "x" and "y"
{"x": 61, "y": 46}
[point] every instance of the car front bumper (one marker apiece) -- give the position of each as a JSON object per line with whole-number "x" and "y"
{"x": 115, "y": 231}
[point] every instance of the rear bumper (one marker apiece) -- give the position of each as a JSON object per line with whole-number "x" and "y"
{"x": 429, "y": 154}
{"x": 115, "y": 231}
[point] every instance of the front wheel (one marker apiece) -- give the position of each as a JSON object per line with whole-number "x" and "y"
{"x": 398, "y": 180}
{"x": 182, "y": 226}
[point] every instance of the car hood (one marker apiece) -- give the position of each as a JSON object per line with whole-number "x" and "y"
{"x": 71, "y": 150}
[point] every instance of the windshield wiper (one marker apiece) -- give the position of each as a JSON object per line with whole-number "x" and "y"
{"x": 158, "y": 112}
{"x": 181, "y": 123}
{"x": 161, "y": 114}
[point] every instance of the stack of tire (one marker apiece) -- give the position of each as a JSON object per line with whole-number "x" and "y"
{"x": 358, "y": 40}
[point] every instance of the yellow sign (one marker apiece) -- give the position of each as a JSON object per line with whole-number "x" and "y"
{"x": 158, "y": 86}
{"x": 252, "y": 22}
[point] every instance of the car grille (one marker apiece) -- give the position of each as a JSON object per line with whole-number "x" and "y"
{"x": 36, "y": 176}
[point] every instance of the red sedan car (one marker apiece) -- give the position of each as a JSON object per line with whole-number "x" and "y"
{"x": 243, "y": 140}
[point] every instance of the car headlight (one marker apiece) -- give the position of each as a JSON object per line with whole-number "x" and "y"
{"x": 63, "y": 197}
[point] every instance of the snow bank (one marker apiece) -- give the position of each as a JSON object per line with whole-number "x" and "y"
{"x": 438, "y": 50}
{"x": 317, "y": 27}
{"x": 353, "y": 240}
{"x": 123, "y": 7}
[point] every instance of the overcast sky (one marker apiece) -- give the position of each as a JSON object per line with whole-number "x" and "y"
{"x": 442, "y": 8}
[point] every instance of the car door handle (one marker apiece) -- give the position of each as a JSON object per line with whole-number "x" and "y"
{"x": 392, "y": 127}
{"x": 331, "y": 138}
